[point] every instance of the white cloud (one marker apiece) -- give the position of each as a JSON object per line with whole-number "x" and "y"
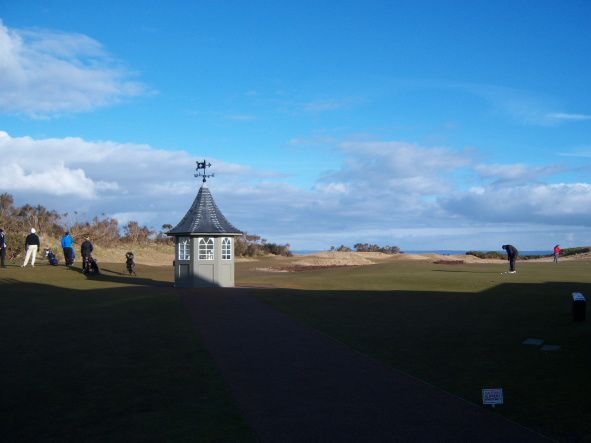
{"x": 241, "y": 117}
{"x": 525, "y": 107}
{"x": 56, "y": 180}
{"x": 47, "y": 72}
{"x": 95, "y": 177}
{"x": 332, "y": 188}
{"x": 384, "y": 192}
{"x": 516, "y": 172}
{"x": 562, "y": 116}
{"x": 399, "y": 173}
{"x": 323, "y": 105}
{"x": 563, "y": 203}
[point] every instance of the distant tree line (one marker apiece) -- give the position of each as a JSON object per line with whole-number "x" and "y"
{"x": 104, "y": 231}
{"x": 253, "y": 245}
{"x": 365, "y": 247}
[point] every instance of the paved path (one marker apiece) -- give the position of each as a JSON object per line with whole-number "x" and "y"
{"x": 294, "y": 384}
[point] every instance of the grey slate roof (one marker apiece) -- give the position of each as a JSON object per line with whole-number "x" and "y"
{"x": 204, "y": 217}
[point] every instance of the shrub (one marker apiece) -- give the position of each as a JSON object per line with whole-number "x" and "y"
{"x": 574, "y": 251}
{"x": 489, "y": 254}
{"x": 341, "y": 248}
{"x": 364, "y": 247}
{"x": 248, "y": 245}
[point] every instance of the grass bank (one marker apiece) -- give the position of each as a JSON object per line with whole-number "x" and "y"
{"x": 106, "y": 359}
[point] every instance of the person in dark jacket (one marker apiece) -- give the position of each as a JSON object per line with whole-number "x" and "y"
{"x": 2, "y": 248}
{"x": 512, "y": 254}
{"x": 86, "y": 251}
{"x": 67, "y": 243}
{"x": 32, "y": 245}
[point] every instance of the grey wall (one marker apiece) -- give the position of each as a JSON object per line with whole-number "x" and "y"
{"x": 195, "y": 273}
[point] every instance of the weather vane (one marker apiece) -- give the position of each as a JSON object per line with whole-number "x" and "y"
{"x": 201, "y": 166}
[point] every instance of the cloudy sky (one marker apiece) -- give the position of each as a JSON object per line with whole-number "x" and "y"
{"x": 423, "y": 124}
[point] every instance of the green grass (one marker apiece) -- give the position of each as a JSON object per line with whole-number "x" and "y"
{"x": 460, "y": 328}
{"x": 106, "y": 359}
{"x": 116, "y": 358}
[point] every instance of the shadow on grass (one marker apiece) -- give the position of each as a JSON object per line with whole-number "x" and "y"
{"x": 110, "y": 364}
{"x": 123, "y": 363}
{"x": 466, "y": 341}
{"x": 107, "y": 274}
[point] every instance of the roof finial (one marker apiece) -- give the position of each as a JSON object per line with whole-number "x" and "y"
{"x": 203, "y": 165}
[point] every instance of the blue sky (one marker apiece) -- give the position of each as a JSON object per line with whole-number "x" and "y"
{"x": 428, "y": 125}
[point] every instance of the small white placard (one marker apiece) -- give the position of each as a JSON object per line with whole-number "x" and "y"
{"x": 577, "y": 296}
{"x": 492, "y": 396}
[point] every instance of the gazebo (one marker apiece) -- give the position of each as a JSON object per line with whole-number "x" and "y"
{"x": 204, "y": 243}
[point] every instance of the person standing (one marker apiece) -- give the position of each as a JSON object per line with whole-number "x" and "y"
{"x": 556, "y": 253}
{"x": 2, "y": 248}
{"x": 86, "y": 251}
{"x": 32, "y": 244}
{"x": 512, "y": 254}
{"x": 67, "y": 243}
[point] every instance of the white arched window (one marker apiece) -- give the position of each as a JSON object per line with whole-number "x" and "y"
{"x": 226, "y": 248}
{"x": 206, "y": 249}
{"x": 184, "y": 251}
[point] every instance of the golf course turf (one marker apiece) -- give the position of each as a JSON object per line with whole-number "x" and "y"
{"x": 461, "y": 328}
{"x": 106, "y": 358}
{"x": 116, "y": 358}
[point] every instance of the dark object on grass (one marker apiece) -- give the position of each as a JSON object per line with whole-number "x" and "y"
{"x": 51, "y": 258}
{"x": 579, "y": 306}
{"x": 2, "y": 248}
{"x": 130, "y": 263}
{"x": 69, "y": 256}
{"x": 90, "y": 266}
{"x": 449, "y": 262}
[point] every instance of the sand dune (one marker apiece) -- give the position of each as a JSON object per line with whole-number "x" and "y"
{"x": 370, "y": 258}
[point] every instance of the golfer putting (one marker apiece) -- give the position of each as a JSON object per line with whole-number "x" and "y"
{"x": 512, "y": 254}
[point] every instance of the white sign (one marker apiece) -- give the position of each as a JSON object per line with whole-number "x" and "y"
{"x": 577, "y": 296}
{"x": 492, "y": 397}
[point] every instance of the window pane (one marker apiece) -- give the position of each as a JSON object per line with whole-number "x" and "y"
{"x": 206, "y": 249}
{"x": 226, "y": 249}
{"x": 183, "y": 249}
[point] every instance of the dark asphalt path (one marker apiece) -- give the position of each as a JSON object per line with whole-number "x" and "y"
{"x": 294, "y": 384}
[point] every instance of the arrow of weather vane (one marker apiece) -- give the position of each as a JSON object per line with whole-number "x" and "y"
{"x": 201, "y": 166}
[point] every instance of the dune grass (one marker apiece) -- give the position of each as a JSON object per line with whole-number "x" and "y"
{"x": 461, "y": 328}
{"x": 106, "y": 359}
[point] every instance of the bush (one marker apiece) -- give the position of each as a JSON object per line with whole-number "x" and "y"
{"x": 364, "y": 247}
{"x": 574, "y": 251}
{"x": 341, "y": 248}
{"x": 489, "y": 254}
{"x": 252, "y": 245}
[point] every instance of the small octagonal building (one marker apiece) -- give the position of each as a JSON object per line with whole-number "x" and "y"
{"x": 204, "y": 244}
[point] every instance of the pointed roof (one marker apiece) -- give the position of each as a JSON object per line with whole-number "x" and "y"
{"x": 204, "y": 217}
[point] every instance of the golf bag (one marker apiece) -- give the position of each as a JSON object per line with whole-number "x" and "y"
{"x": 130, "y": 263}
{"x": 51, "y": 258}
{"x": 90, "y": 266}
{"x": 69, "y": 256}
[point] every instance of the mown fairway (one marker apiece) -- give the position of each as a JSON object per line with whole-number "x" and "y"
{"x": 460, "y": 327}
{"x": 102, "y": 359}
{"x": 116, "y": 358}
